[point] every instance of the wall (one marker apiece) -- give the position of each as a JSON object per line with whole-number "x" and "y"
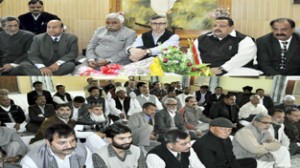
{"x": 82, "y": 17}
{"x": 252, "y": 17}
{"x": 237, "y": 83}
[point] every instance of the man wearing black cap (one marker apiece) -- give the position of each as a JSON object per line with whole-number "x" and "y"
{"x": 214, "y": 149}
{"x": 243, "y": 98}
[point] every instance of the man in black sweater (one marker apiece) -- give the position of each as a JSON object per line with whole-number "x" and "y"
{"x": 176, "y": 152}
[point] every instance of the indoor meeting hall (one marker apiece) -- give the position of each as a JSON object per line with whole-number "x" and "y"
{"x": 149, "y": 83}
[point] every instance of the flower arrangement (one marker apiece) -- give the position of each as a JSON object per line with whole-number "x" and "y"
{"x": 172, "y": 60}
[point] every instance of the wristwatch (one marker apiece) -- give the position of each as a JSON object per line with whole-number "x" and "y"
{"x": 222, "y": 69}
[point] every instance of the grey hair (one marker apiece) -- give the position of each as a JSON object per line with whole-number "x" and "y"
{"x": 8, "y": 19}
{"x": 116, "y": 15}
{"x": 260, "y": 116}
{"x": 168, "y": 100}
{"x": 289, "y": 98}
{"x": 252, "y": 96}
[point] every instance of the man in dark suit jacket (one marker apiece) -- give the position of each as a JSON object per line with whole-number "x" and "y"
{"x": 38, "y": 113}
{"x": 226, "y": 108}
{"x": 51, "y": 53}
{"x": 36, "y": 20}
{"x": 38, "y": 90}
{"x": 203, "y": 97}
{"x": 167, "y": 119}
{"x": 78, "y": 107}
{"x": 278, "y": 52}
{"x": 14, "y": 44}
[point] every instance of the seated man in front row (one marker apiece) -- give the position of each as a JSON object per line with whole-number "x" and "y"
{"x": 12, "y": 144}
{"x": 225, "y": 49}
{"x": 255, "y": 141}
{"x": 60, "y": 150}
{"x": 146, "y": 44}
{"x": 176, "y": 152}
{"x": 51, "y": 53}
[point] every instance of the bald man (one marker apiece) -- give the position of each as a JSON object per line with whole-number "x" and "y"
{"x": 51, "y": 53}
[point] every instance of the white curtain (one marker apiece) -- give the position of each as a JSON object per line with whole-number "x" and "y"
{"x": 46, "y": 80}
{"x": 214, "y": 82}
{"x": 278, "y": 88}
{"x": 162, "y": 6}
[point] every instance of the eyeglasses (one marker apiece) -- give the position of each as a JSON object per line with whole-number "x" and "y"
{"x": 265, "y": 122}
{"x": 158, "y": 24}
{"x": 172, "y": 104}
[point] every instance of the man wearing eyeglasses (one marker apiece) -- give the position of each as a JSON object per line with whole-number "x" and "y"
{"x": 174, "y": 153}
{"x": 151, "y": 43}
{"x": 255, "y": 141}
{"x": 168, "y": 119}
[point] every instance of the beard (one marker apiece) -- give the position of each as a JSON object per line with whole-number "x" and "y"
{"x": 98, "y": 118}
{"x": 123, "y": 146}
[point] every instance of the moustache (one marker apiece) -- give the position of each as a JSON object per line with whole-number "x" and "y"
{"x": 68, "y": 149}
{"x": 280, "y": 35}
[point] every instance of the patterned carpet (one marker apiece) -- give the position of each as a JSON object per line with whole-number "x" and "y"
{"x": 296, "y": 161}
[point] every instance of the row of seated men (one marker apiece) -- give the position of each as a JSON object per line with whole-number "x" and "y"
{"x": 53, "y": 52}
{"x": 256, "y": 145}
{"x": 149, "y": 124}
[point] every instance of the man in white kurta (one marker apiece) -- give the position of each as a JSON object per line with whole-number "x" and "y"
{"x": 250, "y": 109}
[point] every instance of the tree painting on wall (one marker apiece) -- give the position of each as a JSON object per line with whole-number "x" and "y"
{"x": 191, "y": 14}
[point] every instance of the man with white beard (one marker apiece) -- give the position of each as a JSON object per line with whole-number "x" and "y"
{"x": 167, "y": 119}
{"x": 96, "y": 119}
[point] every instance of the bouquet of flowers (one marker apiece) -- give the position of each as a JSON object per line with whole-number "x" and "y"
{"x": 172, "y": 60}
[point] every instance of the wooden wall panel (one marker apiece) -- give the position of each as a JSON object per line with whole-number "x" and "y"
{"x": 82, "y": 17}
{"x": 252, "y": 17}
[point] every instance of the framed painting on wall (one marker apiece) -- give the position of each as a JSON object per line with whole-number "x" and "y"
{"x": 296, "y": 1}
{"x": 196, "y": 14}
